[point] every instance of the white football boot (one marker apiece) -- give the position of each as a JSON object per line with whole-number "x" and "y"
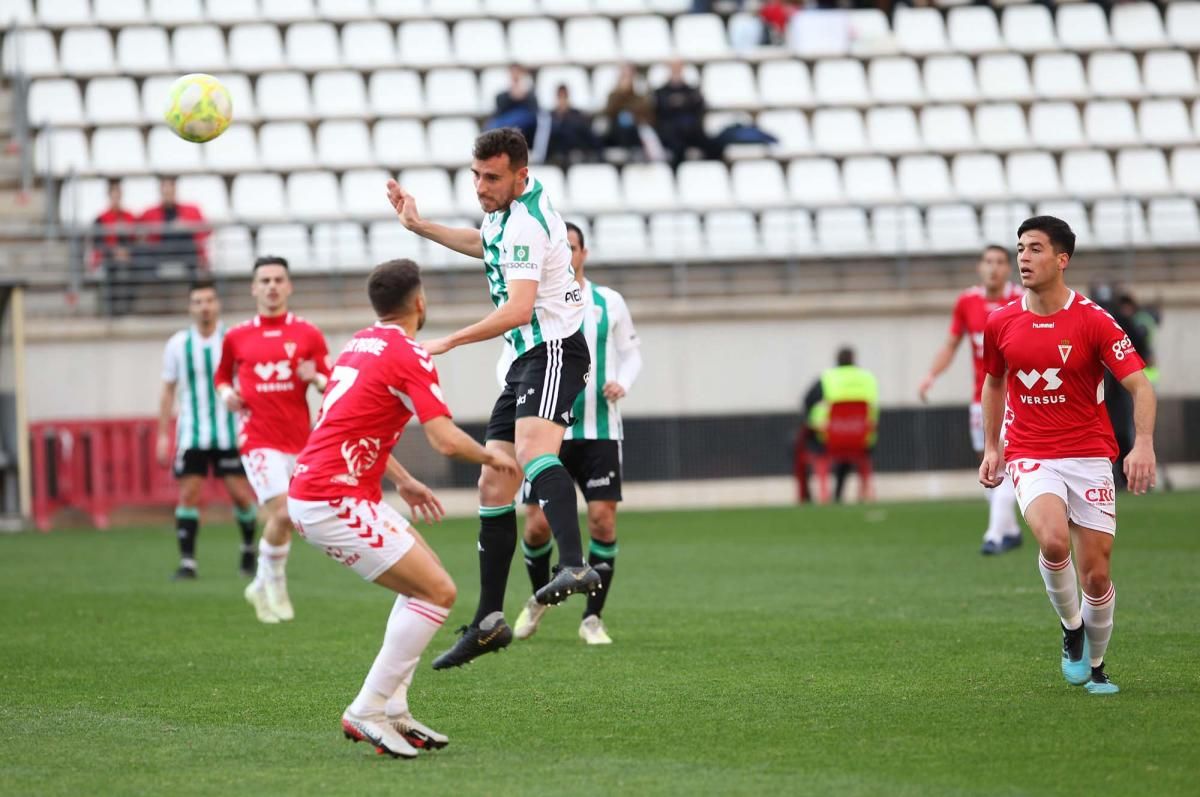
{"x": 593, "y": 632}
{"x": 418, "y": 734}
{"x": 530, "y": 617}
{"x": 378, "y": 732}
{"x": 256, "y": 595}
{"x": 277, "y": 598}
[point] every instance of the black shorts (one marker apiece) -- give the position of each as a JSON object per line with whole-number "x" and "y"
{"x": 595, "y": 465}
{"x": 203, "y": 461}
{"x": 543, "y": 382}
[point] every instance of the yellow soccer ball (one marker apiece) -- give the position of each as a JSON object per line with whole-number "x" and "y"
{"x": 198, "y": 108}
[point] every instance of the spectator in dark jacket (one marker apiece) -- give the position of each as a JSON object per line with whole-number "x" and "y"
{"x": 175, "y": 233}
{"x": 627, "y": 110}
{"x": 679, "y": 112}
{"x": 113, "y": 240}
{"x": 517, "y": 106}
{"x": 571, "y": 133}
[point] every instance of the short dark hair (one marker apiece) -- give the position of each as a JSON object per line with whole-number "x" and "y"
{"x": 503, "y": 141}
{"x": 998, "y": 248}
{"x": 1058, "y": 231}
{"x": 845, "y": 356}
{"x": 112, "y": 182}
{"x": 202, "y": 285}
{"x": 270, "y": 260}
{"x": 391, "y": 286}
{"x": 573, "y": 227}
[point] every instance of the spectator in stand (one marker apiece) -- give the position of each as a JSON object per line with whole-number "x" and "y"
{"x": 174, "y": 234}
{"x": 679, "y": 110}
{"x": 776, "y": 14}
{"x": 571, "y": 135}
{"x": 517, "y": 106}
{"x": 627, "y": 110}
{"x": 112, "y": 250}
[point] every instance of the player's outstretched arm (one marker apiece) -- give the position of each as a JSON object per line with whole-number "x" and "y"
{"x": 941, "y": 361}
{"x": 166, "y": 405}
{"x": 513, "y": 313}
{"x": 1140, "y": 462}
{"x": 464, "y": 240}
{"x": 450, "y": 441}
{"x": 991, "y": 470}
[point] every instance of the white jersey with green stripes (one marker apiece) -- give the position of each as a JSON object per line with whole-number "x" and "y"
{"x": 528, "y": 241}
{"x": 202, "y": 422}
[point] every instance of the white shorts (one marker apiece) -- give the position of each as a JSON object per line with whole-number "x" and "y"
{"x": 366, "y": 537}
{"x": 977, "y": 427}
{"x": 1084, "y": 485}
{"x": 269, "y": 472}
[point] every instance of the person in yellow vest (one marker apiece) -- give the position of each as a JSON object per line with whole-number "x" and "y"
{"x": 844, "y": 382}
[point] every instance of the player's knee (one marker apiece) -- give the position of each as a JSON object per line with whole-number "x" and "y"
{"x": 1054, "y": 548}
{"x": 537, "y": 529}
{"x": 1095, "y": 579}
{"x": 443, "y": 592}
{"x": 602, "y": 523}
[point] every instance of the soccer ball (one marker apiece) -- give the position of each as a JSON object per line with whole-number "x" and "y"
{"x": 198, "y": 108}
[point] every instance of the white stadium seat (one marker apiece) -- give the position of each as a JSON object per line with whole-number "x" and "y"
{"x": 1137, "y": 26}
{"x": 430, "y": 187}
{"x": 644, "y": 39}
{"x": 1082, "y": 27}
{"x": 895, "y": 80}
{"x": 564, "y": 9}
{"x": 1114, "y": 74}
{"x": 31, "y": 51}
{"x": 1055, "y": 125}
{"x": 312, "y": 45}
{"x": 785, "y": 233}
{"x": 424, "y": 44}
{"x": 1165, "y": 122}
{"x": 1169, "y": 73}
{"x": 344, "y": 144}
{"x": 458, "y": 9}
{"x": 344, "y": 10}
{"x": 287, "y": 10}
{"x": 234, "y": 151}
{"x": 19, "y": 12}
{"x": 313, "y": 195}
{"x": 534, "y": 42}
{"x": 199, "y": 48}
{"x": 554, "y": 184}
{"x": 87, "y": 51}
{"x": 594, "y": 188}
{"x": 175, "y": 12}
{"x": 950, "y": 78}
{"x": 1073, "y": 213}
{"x": 791, "y": 128}
{"x": 729, "y": 85}
{"x": 55, "y": 101}
{"x": 254, "y": 47}
{"x": 869, "y": 180}
{"x": 1183, "y": 24}
{"x": 339, "y": 245}
{"x": 953, "y": 228}
{"x": 61, "y": 151}
{"x": 368, "y": 45}
{"x": 590, "y": 40}
{"x": 64, "y": 13}
{"x": 468, "y": 202}
{"x": 579, "y": 88}
{"x": 1000, "y": 221}
{"x": 1110, "y": 123}
{"x": 841, "y": 81}
{"x": 399, "y": 143}
{"x": 893, "y": 130}
{"x": 1059, "y": 76}
{"x": 167, "y": 153}
{"x": 649, "y": 187}
{"x": 676, "y": 235}
{"x": 1173, "y": 221}
{"x": 283, "y": 95}
{"x": 479, "y": 43}
{"x": 511, "y": 8}
{"x": 400, "y": 9}
{"x": 1119, "y": 222}
{"x": 842, "y": 230}
{"x": 730, "y": 233}
{"x": 759, "y": 184}
{"x": 289, "y": 241}
{"x": 454, "y": 91}
{"x": 395, "y": 92}
{"x": 1001, "y": 127}
{"x": 286, "y": 145}
{"x": 813, "y": 182}
{"x": 919, "y": 31}
{"x": 1028, "y": 28}
{"x": 1185, "y": 170}
{"x": 245, "y": 109}
{"x": 824, "y": 35}
{"x": 973, "y": 30}
{"x": 979, "y": 177}
{"x": 1004, "y": 77}
{"x": 924, "y": 178}
{"x": 1142, "y": 172}
{"x": 1033, "y": 175}
{"x": 785, "y": 84}
{"x": 207, "y": 191}
{"x": 115, "y": 13}
{"x": 703, "y": 185}
{"x": 897, "y": 229}
{"x": 230, "y": 12}
{"x": 947, "y": 128}
{"x": 118, "y": 150}
{"x": 364, "y": 196}
{"x": 1088, "y": 174}
{"x": 143, "y": 51}
{"x": 619, "y": 237}
{"x": 451, "y": 139}
{"x": 839, "y": 131}
{"x": 232, "y": 250}
{"x": 339, "y": 94}
{"x": 701, "y": 38}
{"x": 388, "y": 239}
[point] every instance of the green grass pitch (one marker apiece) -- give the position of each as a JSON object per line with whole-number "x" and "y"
{"x": 857, "y": 650}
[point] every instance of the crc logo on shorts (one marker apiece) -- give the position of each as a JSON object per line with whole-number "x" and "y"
{"x": 1105, "y": 495}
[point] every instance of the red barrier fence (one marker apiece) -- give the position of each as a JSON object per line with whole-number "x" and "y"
{"x": 97, "y": 466}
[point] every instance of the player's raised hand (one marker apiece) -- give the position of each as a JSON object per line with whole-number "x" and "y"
{"x": 504, "y": 463}
{"x": 404, "y": 203}
{"x": 421, "y": 500}
{"x": 613, "y": 391}
{"x": 991, "y": 470}
{"x": 1140, "y": 469}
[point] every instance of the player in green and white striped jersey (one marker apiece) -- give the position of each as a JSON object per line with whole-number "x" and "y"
{"x": 205, "y": 431}
{"x": 591, "y": 450}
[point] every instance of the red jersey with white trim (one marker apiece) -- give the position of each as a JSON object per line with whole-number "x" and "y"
{"x": 1055, "y": 399}
{"x": 971, "y": 312}
{"x": 264, "y": 354}
{"x": 380, "y": 381}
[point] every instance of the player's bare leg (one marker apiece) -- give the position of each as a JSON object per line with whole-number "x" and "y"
{"x": 187, "y": 525}
{"x": 537, "y": 544}
{"x": 1047, "y": 519}
{"x": 602, "y": 556}
{"x": 537, "y": 446}
{"x": 245, "y": 512}
{"x": 1003, "y": 531}
{"x": 1094, "y": 550}
{"x": 380, "y": 714}
{"x": 268, "y": 592}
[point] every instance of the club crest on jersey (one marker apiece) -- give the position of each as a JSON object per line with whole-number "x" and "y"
{"x": 1064, "y": 350}
{"x": 290, "y": 348}
{"x": 360, "y": 455}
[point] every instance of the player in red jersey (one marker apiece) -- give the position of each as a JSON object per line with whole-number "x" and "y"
{"x": 1056, "y": 443}
{"x": 970, "y": 314}
{"x": 266, "y": 367}
{"x": 381, "y": 380}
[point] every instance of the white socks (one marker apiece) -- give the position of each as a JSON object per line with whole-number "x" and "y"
{"x": 410, "y": 629}
{"x": 1002, "y": 518}
{"x": 1098, "y": 622}
{"x": 272, "y": 559}
{"x": 1062, "y": 589}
